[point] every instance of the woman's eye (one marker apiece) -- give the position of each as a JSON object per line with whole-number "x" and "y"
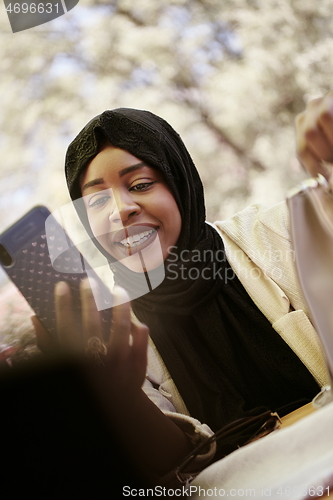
{"x": 98, "y": 201}
{"x": 142, "y": 186}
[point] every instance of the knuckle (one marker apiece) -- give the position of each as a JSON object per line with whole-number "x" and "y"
{"x": 120, "y": 325}
{"x": 311, "y": 133}
{"x": 326, "y": 117}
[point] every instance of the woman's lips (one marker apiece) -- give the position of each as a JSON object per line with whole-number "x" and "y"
{"x": 134, "y": 239}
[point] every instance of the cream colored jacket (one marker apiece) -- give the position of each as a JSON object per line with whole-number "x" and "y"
{"x": 257, "y": 245}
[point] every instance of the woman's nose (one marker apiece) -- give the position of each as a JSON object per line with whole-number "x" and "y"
{"x": 123, "y": 207}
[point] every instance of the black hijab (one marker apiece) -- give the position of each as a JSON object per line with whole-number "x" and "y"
{"x": 222, "y": 353}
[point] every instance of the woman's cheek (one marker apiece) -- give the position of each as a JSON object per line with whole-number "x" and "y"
{"x": 97, "y": 225}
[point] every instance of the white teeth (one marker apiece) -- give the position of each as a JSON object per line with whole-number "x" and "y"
{"x": 137, "y": 239}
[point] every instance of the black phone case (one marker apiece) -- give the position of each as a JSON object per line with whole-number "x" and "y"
{"x": 36, "y": 259}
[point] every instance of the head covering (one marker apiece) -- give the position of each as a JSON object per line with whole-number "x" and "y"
{"x": 216, "y": 344}
{"x": 154, "y": 141}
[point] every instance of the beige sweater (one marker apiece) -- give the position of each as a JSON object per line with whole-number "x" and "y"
{"x": 257, "y": 244}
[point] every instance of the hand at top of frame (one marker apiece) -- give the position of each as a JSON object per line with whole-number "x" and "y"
{"x": 314, "y": 136}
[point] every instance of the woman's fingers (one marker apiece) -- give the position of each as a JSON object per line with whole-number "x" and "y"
{"x": 326, "y": 118}
{"x": 91, "y": 321}
{"x": 314, "y": 135}
{"x": 126, "y": 356}
{"x": 44, "y": 340}
{"x": 127, "y": 350}
{"x": 121, "y": 324}
{"x": 66, "y": 323}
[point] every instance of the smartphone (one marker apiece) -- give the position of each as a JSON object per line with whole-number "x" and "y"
{"x": 36, "y": 253}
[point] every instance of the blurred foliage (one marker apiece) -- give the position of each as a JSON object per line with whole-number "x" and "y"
{"x": 229, "y": 76}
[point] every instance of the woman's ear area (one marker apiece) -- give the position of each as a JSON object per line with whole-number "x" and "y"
{"x": 82, "y": 177}
{"x": 103, "y": 143}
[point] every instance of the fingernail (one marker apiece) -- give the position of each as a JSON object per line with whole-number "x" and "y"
{"x": 61, "y": 288}
{"x": 120, "y": 296}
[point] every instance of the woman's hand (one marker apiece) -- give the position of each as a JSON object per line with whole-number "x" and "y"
{"x": 151, "y": 439}
{"x": 314, "y": 136}
{"x": 124, "y": 364}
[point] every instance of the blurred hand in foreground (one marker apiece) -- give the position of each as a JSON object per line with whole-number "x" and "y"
{"x": 122, "y": 360}
{"x": 152, "y": 439}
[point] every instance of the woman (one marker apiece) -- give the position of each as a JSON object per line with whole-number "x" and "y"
{"x": 214, "y": 354}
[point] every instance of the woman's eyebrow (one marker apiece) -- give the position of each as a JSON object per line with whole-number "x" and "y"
{"x": 126, "y": 170}
{"x": 94, "y": 182}
{"x": 121, "y": 173}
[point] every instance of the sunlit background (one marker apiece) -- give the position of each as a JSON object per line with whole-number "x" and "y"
{"x": 229, "y": 76}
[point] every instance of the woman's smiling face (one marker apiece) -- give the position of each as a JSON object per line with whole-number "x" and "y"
{"x": 130, "y": 208}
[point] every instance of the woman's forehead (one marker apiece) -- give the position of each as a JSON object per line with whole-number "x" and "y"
{"x": 112, "y": 161}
